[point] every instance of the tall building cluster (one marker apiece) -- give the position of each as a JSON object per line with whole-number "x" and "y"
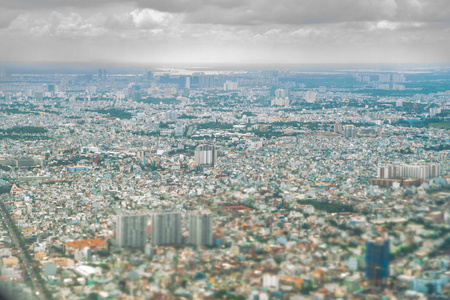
{"x": 131, "y": 229}
{"x": 421, "y": 171}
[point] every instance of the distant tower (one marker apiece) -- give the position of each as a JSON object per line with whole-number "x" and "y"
{"x": 149, "y": 75}
{"x": 230, "y": 85}
{"x": 200, "y": 229}
{"x": 166, "y": 228}
{"x": 101, "y": 74}
{"x": 280, "y": 93}
{"x": 179, "y": 129}
{"x": 310, "y": 96}
{"x": 337, "y": 127}
{"x": 131, "y": 230}
{"x": 205, "y": 155}
{"x": 349, "y": 131}
{"x": 377, "y": 260}
{"x": 171, "y": 116}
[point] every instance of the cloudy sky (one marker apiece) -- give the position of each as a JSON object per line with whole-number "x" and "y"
{"x": 225, "y": 31}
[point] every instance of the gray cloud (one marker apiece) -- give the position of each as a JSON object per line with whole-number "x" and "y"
{"x": 288, "y": 30}
{"x": 266, "y": 11}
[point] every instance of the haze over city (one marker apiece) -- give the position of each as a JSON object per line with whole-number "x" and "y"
{"x": 220, "y": 31}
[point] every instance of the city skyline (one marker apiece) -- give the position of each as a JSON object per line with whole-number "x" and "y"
{"x": 225, "y": 32}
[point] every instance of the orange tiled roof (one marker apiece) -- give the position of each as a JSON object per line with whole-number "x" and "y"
{"x": 291, "y": 279}
{"x": 86, "y": 243}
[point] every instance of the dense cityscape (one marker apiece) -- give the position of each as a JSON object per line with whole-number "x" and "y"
{"x": 213, "y": 183}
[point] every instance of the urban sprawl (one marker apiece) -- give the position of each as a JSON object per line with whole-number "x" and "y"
{"x": 258, "y": 184}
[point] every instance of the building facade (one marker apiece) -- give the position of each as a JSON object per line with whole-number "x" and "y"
{"x": 421, "y": 171}
{"x": 377, "y": 260}
{"x": 131, "y": 230}
{"x": 205, "y": 155}
{"x": 349, "y": 131}
{"x": 200, "y": 229}
{"x": 166, "y": 228}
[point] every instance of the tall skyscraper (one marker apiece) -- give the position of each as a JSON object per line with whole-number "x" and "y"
{"x": 205, "y": 155}
{"x": 171, "y": 116}
{"x": 337, "y": 127}
{"x": 131, "y": 230}
{"x": 280, "y": 93}
{"x": 179, "y": 129}
{"x": 187, "y": 83}
{"x": 200, "y": 229}
{"x": 230, "y": 85}
{"x": 377, "y": 260}
{"x": 166, "y": 228}
{"x": 310, "y": 96}
{"x": 101, "y": 74}
{"x": 349, "y": 131}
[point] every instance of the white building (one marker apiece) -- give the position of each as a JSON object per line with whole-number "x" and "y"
{"x": 421, "y": 171}
{"x": 349, "y": 131}
{"x": 280, "y": 102}
{"x": 131, "y": 230}
{"x": 171, "y": 116}
{"x": 205, "y": 155}
{"x": 271, "y": 281}
{"x": 310, "y": 96}
{"x": 200, "y": 229}
{"x": 280, "y": 93}
{"x": 230, "y": 85}
{"x": 166, "y": 228}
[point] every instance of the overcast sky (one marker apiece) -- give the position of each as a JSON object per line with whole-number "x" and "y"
{"x": 225, "y": 31}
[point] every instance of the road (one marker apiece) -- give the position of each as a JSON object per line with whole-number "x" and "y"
{"x": 27, "y": 263}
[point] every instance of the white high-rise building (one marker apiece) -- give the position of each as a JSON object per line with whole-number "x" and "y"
{"x": 205, "y": 155}
{"x": 384, "y": 77}
{"x": 179, "y": 129}
{"x": 131, "y": 230}
{"x": 310, "y": 96}
{"x": 280, "y": 93}
{"x": 420, "y": 171}
{"x": 349, "y": 131}
{"x": 200, "y": 229}
{"x": 280, "y": 102}
{"x": 166, "y": 228}
{"x": 230, "y": 85}
{"x": 171, "y": 116}
{"x": 398, "y": 78}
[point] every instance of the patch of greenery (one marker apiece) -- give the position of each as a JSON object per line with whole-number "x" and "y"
{"x": 114, "y": 112}
{"x": 327, "y": 206}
